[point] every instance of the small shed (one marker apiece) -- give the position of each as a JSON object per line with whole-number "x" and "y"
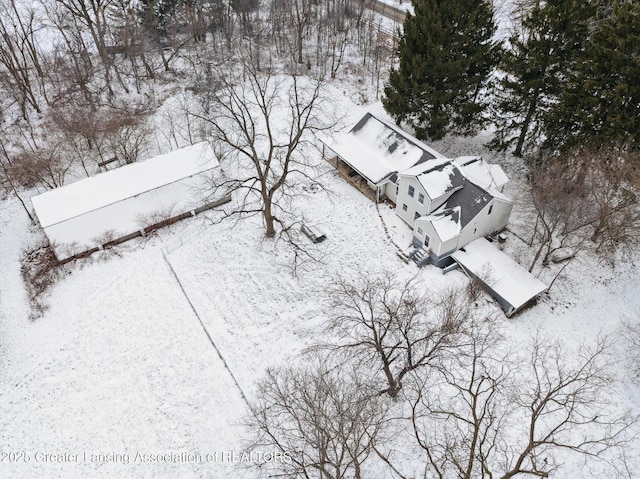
{"x": 120, "y": 204}
{"x": 509, "y": 283}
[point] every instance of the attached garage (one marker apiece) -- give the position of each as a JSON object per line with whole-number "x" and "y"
{"x": 111, "y": 207}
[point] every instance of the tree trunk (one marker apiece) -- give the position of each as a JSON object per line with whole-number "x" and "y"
{"x": 269, "y": 220}
{"x": 525, "y": 125}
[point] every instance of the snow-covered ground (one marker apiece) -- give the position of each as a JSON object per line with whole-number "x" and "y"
{"x": 119, "y": 377}
{"x": 120, "y": 366}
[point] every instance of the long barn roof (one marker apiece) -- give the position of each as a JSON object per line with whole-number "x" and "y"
{"x": 95, "y": 192}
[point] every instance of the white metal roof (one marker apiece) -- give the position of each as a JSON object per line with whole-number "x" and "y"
{"x": 487, "y": 176}
{"x": 95, "y": 192}
{"x": 506, "y": 277}
{"x": 377, "y": 149}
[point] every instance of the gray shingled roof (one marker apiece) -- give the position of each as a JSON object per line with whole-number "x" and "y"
{"x": 470, "y": 198}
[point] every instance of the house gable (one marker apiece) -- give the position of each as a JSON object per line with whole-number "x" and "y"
{"x": 469, "y": 213}
{"x": 432, "y": 183}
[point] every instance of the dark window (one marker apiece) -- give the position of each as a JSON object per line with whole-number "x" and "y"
{"x": 426, "y": 240}
{"x": 416, "y": 216}
{"x": 490, "y": 209}
{"x": 421, "y": 198}
{"x": 412, "y": 191}
{"x": 404, "y": 207}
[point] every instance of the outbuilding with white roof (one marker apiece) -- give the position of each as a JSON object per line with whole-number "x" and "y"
{"x": 110, "y": 207}
{"x": 509, "y": 283}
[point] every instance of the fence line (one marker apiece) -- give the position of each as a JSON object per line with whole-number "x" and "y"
{"x": 206, "y": 331}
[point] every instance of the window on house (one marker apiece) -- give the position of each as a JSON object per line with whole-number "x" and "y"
{"x": 426, "y": 241}
{"x": 412, "y": 191}
{"x": 490, "y": 209}
{"x": 397, "y": 188}
{"x": 404, "y": 207}
{"x": 420, "y": 232}
{"x": 421, "y": 198}
{"x": 416, "y": 216}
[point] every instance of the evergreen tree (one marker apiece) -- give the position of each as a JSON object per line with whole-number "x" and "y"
{"x": 535, "y": 66}
{"x": 446, "y": 54}
{"x": 600, "y": 103}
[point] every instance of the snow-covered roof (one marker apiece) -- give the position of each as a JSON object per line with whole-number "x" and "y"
{"x": 445, "y": 223}
{"x": 377, "y": 149}
{"x": 477, "y": 170}
{"x": 507, "y": 278}
{"x": 112, "y": 186}
{"x": 438, "y": 177}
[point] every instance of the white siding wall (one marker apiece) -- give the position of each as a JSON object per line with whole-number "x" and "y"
{"x": 390, "y": 191}
{"x": 484, "y": 223}
{"x": 89, "y": 230}
{"x": 413, "y": 205}
{"x": 449, "y": 246}
{"x": 427, "y": 230}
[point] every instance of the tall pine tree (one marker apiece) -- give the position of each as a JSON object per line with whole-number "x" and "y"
{"x": 600, "y": 102}
{"x": 535, "y": 64}
{"x": 446, "y": 53}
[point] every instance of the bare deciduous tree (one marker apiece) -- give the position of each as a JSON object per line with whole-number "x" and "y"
{"x": 96, "y": 135}
{"x": 322, "y": 419}
{"x": 7, "y": 179}
{"x": 20, "y": 57}
{"x": 263, "y": 124}
{"x": 395, "y": 327}
{"x": 613, "y": 182}
{"x": 631, "y": 338}
{"x": 562, "y": 209}
{"x": 45, "y": 167}
{"x": 457, "y": 412}
{"x": 586, "y": 195}
{"x": 93, "y": 17}
{"x": 512, "y": 416}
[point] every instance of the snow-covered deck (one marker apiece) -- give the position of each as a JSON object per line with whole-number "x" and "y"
{"x": 511, "y": 284}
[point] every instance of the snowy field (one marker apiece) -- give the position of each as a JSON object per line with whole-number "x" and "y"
{"x": 120, "y": 369}
{"x": 120, "y": 379}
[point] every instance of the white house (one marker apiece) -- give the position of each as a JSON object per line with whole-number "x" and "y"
{"x": 447, "y": 202}
{"x": 447, "y": 208}
{"x": 114, "y": 206}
